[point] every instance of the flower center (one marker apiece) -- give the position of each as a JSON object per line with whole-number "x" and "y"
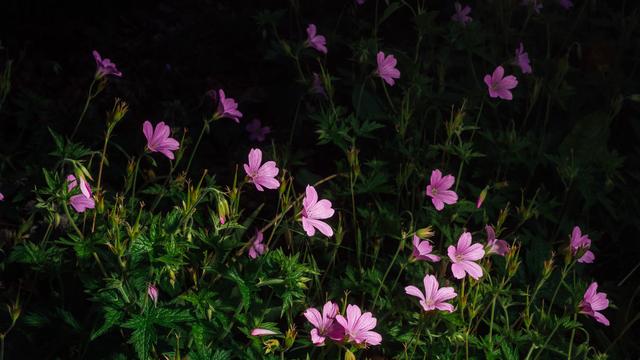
{"x": 434, "y": 191}
{"x": 458, "y": 258}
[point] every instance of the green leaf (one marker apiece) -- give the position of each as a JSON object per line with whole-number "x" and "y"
{"x": 112, "y": 317}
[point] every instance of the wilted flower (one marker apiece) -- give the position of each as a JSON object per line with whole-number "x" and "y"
{"x": 387, "y": 68}
{"x": 262, "y": 332}
{"x": 105, "y": 66}
{"x": 261, "y": 175}
{"x": 84, "y": 200}
{"x": 257, "y": 247}
{"x": 324, "y": 324}
{"x": 256, "y": 131}
{"x": 315, "y": 41}
{"x": 313, "y": 211}
{"x": 152, "y": 291}
{"x": 495, "y": 246}
{"x": 158, "y": 139}
{"x": 433, "y": 297}
{"x": 422, "y": 250}
{"x": 438, "y": 190}
{"x": 592, "y": 302}
{"x": 227, "y": 107}
{"x": 580, "y": 243}
{"x": 462, "y": 14}
{"x": 499, "y": 85}
{"x": 463, "y": 257}
{"x": 522, "y": 60}
{"x": 357, "y": 326}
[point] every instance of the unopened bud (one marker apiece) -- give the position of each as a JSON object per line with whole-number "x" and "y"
{"x": 425, "y": 233}
{"x": 483, "y": 195}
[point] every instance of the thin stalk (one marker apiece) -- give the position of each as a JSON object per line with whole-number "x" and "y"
{"x": 386, "y": 273}
{"x": 90, "y": 97}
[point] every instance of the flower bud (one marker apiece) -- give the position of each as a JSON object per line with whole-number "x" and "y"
{"x": 482, "y": 197}
{"x": 152, "y": 291}
{"x": 290, "y": 337}
{"x": 425, "y": 233}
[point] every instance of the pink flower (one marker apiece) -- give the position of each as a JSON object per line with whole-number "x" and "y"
{"x": 256, "y": 131}
{"x": 324, "y": 324}
{"x": 462, "y": 14}
{"x": 358, "y": 326}
{"x": 84, "y": 200}
{"x": 1, "y": 197}
{"x": 495, "y": 246}
{"x": 105, "y": 67}
{"x": 315, "y": 41}
{"x": 316, "y": 85}
{"x": 463, "y": 256}
{"x": 257, "y": 247}
{"x": 565, "y": 4}
{"x": 522, "y": 60}
{"x": 387, "y": 68}
{"x": 227, "y": 107}
{"x": 313, "y": 211}
{"x": 581, "y": 244}
{"x": 439, "y": 191}
{"x": 592, "y": 302}
{"x": 262, "y": 332}
{"x": 422, "y": 250}
{"x": 261, "y": 175}
{"x": 152, "y": 291}
{"x": 433, "y": 297}
{"x": 158, "y": 139}
{"x": 499, "y": 85}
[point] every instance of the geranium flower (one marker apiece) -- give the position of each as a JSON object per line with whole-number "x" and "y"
{"x": 422, "y": 250}
{"x": 433, "y": 297}
{"x": 315, "y": 41}
{"x": 256, "y": 131}
{"x": 522, "y": 60}
{"x": 495, "y": 246}
{"x": 84, "y": 200}
{"x": 592, "y": 302}
{"x": 1, "y": 197}
{"x": 227, "y": 107}
{"x": 387, "y": 68}
{"x": 580, "y": 243}
{"x": 357, "y": 326}
{"x": 462, "y": 14}
{"x": 463, "y": 256}
{"x": 105, "y": 66}
{"x": 438, "y": 190}
{"x": 158, "y": 139}
{"x": 257, "y": 247}
{"x": 261, "y": 175}
{"x": 324, "y": 324}
{"x": 313, "y": 211}
{"x": 499, "y": 85}
{"x": 152, "y": 291}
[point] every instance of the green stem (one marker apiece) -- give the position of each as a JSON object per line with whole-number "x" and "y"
{"x": 71, "y": 221}
{"x": 386, "y": 273}
{"x": 195, "y": 148}
{"x": 90, "y": 96}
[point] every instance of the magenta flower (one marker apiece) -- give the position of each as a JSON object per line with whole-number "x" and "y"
{"x": 227, "y": 107}
{"x": 387, "y": 68}
{"x": 158, "y": 139}
{"x": 495, "y": 246}
{"x": 262, "y": 332}
{"x": 84, "y": 200}
{"x": 463, "y": 257}
{"x": 105, "y": 67}
{"x": 462, "y": 14}
{"x": 581, "y": 244}
{"x": 522, "y": 60}
{"x": 358, "y": 326}
{"x": 256, "y": 131}
{"x": 261, "y": 175}
{"x": 257, "y": 247}
{"x": 152, "y": 291}
{"x": 315, "y": 41}
{"x": 324, "y": 324}
{"x": 592, "y": 302}
{"x": 499, "y": 85}
{"x": 565, "y": 4}
{"x": 313, "y": 211}
{"x": 422, "y": 250}
{"x": 433, "y": 297}
{"x": 316, "y": 85}
{"x": 1, "y": 197}
{"x": 438, "y": 190}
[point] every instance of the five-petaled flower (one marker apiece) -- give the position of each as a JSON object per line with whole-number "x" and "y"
{"x": 495, "y": 246}
{"x": 462, "y": 14}
{"x": 257, "y": 248}
{"x": 316, "y": 41}
{"x": 438, "y": 190}
{"x": 522, "y": 60}
{"x": 433, "y": 296}
{"x": 581, "y": 244}
{"x": 313, "y": 211}
{"x": 422, "y": 250}
{"x": 158, "y": 139}
{"x": 463, "y": 257}
{"x": 256, "y": 131}
{"x": 227, "y": 107}
{"x": 500, "y": 85}
{"x": 387, "y": 68}
{"x": 324, "y": 324}
{"x": 592, "y": 302}
{"x": 105, "y": 66}
{"x": 83, "y": 201}
{"x": 357, "y": 326}
{"x": 261, "y": 174}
